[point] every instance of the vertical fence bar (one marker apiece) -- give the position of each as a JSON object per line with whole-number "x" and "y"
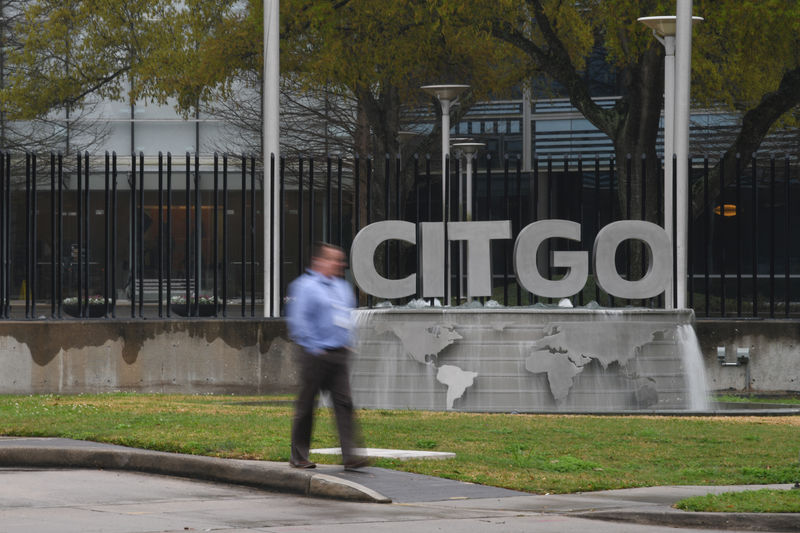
{"x": 282, "y": 212}
{"x": 458, "y": 199}
{"x": 79, "y": 229}
{"x": 357, "y": 203}
{"x": 724, "y": 232}
{"x": 596, "y": 217}
{"x": 311, "y": 206}
{"x": 34, "y": 236}
{"x": 550, "y": 181}
{"x": 628, "y": 215}
{"x": 300, "y": 233}
{"x": 535, "y": 202}
{"x": 3, "y": 270}
{"x": 788, "y": 230}
{"x": 690, "y": 247}
{"x": 328, "y": 199}
{"x": 53, "y": 235}
{"x": 518, "y": 176}
{"x": 772, "y": 236}
{"x": 386, "y": 211}
{"x": 660, "y": 212}
{"x": 160, "y": 253}
{"x": 445, "y": 220}
{"x": 580, "y": 207}
{"x": 197, "y": 235}
{"x": 739, "y": 296}
{"x": 643, "y": 214}
{"x": 397, "y": 170}
{"x": 488, "y": 203}
{"x": 132, "y": 183}
{"x": 339, "y": 200}
{"x": 253, "y": 237}
{"x": 505, "y": 241}
{"x": 113, "y": 235}
{"x": 7, "y": 214}
{"x": 612, "y": 203}
{"x": 27, "y": 234}
{"x": 86, "y": 211}
{"x": 140, "y": 234}
{"x": 106, "y": 233}
{"x": 417, "y": 220}
{"x": 215, "y": 234}
{"x": 188, "y": 243}
{"x": 169, "y": 234}
{"x": 754, "y": 232}
{"x": 706, "y": 237}
{"x": 369, "y": 206}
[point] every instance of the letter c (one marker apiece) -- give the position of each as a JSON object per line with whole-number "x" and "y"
{"x": 362, "y": 259}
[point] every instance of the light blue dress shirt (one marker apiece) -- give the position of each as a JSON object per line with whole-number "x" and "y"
{"x": 319, "y": 312}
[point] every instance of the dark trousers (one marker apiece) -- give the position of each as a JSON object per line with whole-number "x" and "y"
{"x": 326, "y": 372}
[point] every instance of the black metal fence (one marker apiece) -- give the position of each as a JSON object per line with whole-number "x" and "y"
{"x": 73, "y": 239}
{"x": 744, "y": 254}
{"x": 185, "y": 235}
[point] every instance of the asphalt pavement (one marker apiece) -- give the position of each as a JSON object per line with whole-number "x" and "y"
{"x": 63, "y": 485}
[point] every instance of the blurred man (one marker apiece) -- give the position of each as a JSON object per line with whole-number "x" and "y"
{"x": 319, "y": 319}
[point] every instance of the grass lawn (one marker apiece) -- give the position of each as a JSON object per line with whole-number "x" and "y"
{"x": 534, "y": 453}
{"x": 751, "y": 501}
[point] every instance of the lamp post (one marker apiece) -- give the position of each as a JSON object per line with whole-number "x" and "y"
{"x": 468, "y": 149}
{"x": 664, "y": 30}
{"x": 445, "y": 94}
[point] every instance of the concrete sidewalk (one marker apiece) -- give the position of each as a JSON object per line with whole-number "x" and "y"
{"x": 650, "y": 506}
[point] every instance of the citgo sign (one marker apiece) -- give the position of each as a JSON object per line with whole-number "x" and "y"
{"x": 430, "y": 240}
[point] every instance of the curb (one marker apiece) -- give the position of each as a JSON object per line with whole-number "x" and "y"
{"x": 260, "y": 474}
{"x": 789, "y": 522}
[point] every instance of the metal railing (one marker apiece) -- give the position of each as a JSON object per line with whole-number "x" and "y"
{"x": 125, "y": 239}
{"x": 177, "y": 233}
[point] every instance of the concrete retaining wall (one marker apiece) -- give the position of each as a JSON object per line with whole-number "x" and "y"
{"x": 254, "y": 356}
{"x": 774, "y": 365}
{"x": 200, "y": 356}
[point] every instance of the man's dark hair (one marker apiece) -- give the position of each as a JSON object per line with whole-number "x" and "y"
{"x": 319, "y": 246}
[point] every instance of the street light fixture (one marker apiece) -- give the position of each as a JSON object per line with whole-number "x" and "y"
{"x": 664, "y": 29}
{"x": 445, "y": 94}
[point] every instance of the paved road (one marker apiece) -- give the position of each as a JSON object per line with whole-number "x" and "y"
{"x": 62, "y": 485}
{"x": 85, "y": 501}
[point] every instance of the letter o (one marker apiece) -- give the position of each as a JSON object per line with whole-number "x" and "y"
{"x": 659, "y": 263}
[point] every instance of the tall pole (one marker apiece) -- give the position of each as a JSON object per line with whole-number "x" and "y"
{"x": 669, "y": 150}
{"x": 271, "y": 139}
{"x": 683, "y": 68}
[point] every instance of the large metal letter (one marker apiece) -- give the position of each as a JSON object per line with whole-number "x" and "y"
{"x": 431, "y": 249}
{"x": 479, "y": 265}
{"x": 362, "y": 259}
{"x": 526, "y": 248}
{"x": 659, "y": 263}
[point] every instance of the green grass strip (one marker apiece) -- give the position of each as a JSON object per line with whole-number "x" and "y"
{"x": 750, "y": 501}
{"x": 533, "y": 453}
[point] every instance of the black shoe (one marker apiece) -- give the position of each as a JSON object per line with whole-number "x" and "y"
{"x": 302, "y": 464}
{"x": 357, "y": 464}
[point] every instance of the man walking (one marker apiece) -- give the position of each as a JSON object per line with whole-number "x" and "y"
{"x": 318, "y": 313}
